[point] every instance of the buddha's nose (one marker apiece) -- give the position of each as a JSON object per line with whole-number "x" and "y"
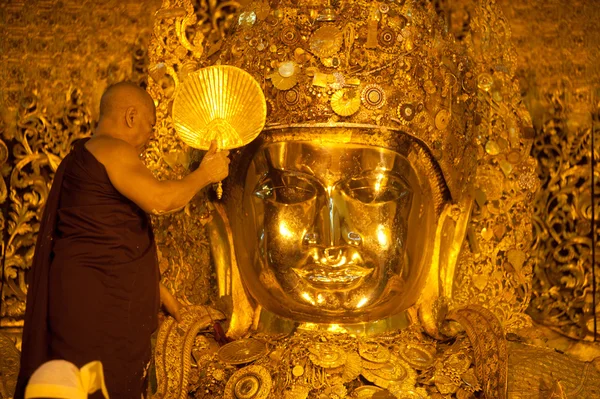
{"x": 333, "y": 254}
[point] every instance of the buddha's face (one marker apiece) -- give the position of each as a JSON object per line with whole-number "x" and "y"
{"x": 333, "y": 232}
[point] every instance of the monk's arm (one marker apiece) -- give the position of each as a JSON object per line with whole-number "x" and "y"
{"x": 171, "y": 304}
{"x": 132, "y": 179}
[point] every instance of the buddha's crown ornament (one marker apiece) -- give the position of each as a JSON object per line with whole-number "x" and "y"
{"x": 380, "y": 65}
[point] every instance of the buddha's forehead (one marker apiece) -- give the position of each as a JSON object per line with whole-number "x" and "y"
{"x": 330, "y": 162}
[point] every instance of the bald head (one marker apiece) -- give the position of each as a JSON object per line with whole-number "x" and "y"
{"x": 127, "y": 112}
{"x": 123, "y": 95}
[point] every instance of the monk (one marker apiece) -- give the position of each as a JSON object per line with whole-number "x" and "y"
{"x": 94, "y": 284}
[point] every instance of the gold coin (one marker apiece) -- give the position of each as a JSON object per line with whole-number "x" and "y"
{"x": 297, "y": 392}
{"x": 298, "y": 370}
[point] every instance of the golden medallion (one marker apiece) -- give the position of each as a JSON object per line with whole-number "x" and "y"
{"x": 326, "y": 41}
{"x": 291, "y": 99}
{"x": 373, "y": 352}
{"x": 345, "y": 102}
{"x": 406, "y": 112}
{"x": 365, "y": 364}
{"x": 387, "y": 37}
{"x": 242, "y": 351}
{"x": 420, "y": 357}
{"x": 289, "y": 36}
{"x": 252, "y": 382}
{"x": 442, "y": 119}
{"x": 373, "y": 96}
{"x": 394, "y": 372}
{"x": 485, "y": 81}
{"x": 327, "y": 356}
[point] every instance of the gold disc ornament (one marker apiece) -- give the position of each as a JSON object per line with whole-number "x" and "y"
{"x": 345, "y": 102}
{"x": 242, "y": 351}
{"x": 221, "y": 103}
{"x": 252, "y": 382}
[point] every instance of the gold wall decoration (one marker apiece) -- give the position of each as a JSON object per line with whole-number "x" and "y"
{"x": 559, "y": 73}
{"x": 182, "y": 32}
{"x": 56, "y": 59}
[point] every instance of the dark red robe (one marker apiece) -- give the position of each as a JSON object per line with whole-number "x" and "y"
{"x": 93, "y": 292}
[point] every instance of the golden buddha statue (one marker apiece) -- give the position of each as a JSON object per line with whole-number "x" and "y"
{"x": 372, "y": 241}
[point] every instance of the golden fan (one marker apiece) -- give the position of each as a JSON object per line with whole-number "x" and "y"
{"x": 221, "y": 103}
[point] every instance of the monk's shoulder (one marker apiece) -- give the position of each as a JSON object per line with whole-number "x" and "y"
{"x": 109, "y": 149}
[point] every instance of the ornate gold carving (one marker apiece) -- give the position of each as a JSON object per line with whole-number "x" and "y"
{"x": 561, "y": 93}
{"x": 310, "y": 364}
{"x": 9, "y": 366}
{"x": 489, "y": 346}
{"x": 242, "y": 351}
{"x": 57, "y": 58}
{"x": 252, "y": 382}
{"x": 554, "y": 374}
{"x": 173, "y": 349}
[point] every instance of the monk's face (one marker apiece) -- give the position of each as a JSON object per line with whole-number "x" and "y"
{"x": 334, "y": 232}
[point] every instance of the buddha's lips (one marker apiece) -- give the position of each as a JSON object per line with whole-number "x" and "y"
{"x": 322, "y": 274}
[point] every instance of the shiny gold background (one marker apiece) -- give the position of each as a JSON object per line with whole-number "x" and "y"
{"x": 58, "y": 56}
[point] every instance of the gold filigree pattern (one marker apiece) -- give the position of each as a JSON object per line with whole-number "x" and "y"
{"x": 173, "y": 349}
{"x": 551, "y": 372}
{"x": 489, "y": 347}
{"x": 185, "y": 261}
{"x": 9, "y": 366}
{"x": 562, "y": 95}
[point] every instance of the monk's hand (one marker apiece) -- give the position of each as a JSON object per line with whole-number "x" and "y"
{"x": 215, "y": 164}
{"x": 170, "y": 303}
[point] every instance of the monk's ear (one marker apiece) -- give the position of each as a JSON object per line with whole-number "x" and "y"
{"x": 130, "y": 116}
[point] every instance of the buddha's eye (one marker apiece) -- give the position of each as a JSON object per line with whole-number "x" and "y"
{"x": 376, "y": 188}
{"x": 286, "y": 189}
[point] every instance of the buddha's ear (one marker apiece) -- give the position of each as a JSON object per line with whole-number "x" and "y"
{"x": 240, "y": 309}
{"x": 449, "y": 237}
